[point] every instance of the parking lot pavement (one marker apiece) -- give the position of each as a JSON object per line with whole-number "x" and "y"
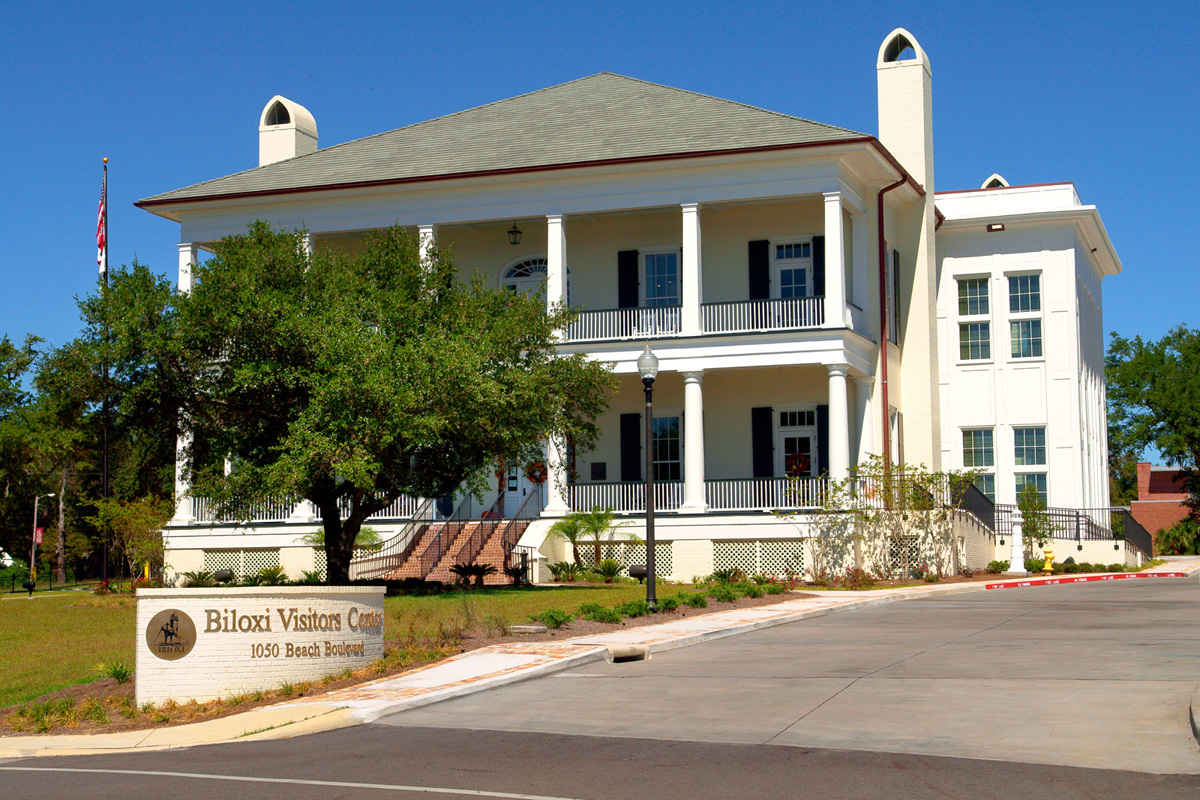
{"x": 1090, "y": 675}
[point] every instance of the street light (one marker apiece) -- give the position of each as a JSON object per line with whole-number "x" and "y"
{"x": 33, "y": 542}
{"x": 648, "y": 368}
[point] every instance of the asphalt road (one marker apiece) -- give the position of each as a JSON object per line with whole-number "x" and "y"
{"x": 1098, "y": 670}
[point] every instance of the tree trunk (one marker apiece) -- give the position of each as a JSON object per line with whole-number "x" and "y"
{"x": 62, "y": 528}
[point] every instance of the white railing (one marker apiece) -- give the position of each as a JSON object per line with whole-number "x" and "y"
{"x": 625, "y": 498}
{"x": 763, "y": 315}
{"x": 273, "y": 509}
{"x": 764, "y": 494}
{"x": 624, "y": 323}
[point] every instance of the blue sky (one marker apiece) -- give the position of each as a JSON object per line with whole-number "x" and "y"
{"x": 1102, "y": 94}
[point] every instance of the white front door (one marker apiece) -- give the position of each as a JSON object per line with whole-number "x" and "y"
{"x": 796, "y": 443}
{"x": 516, "y": 486}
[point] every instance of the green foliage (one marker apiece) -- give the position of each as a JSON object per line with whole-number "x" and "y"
{"x": 633, "y": 608}
{"x": 996, "y": 567}
{"x": 119, "y": 671}
{"x": 477, "y": 572}
{"x": 693, "y": 599}
{"x": 722, "y": 593}
{"x": 774, "y": 588}
{"x": 1035, "y": 564}
{"x": 1116, "y": 568}
{"x": 728, "y": 575}
{"x": 596, "y": 528}
{"x": 1035, "y": 522}
{"x": 598, "y": 613}
{"x": 749, "y": 589}
{"x": 136, "y": 529}
{"x": 669, "y": 603}
{"x": 608, "y": 569}
{"x": 1181, "y": 539}
{"x": 552, "y": 618}
{"x": 311, "y": 577}
{"x": 1153, "y": 390}
{"x": 271, "y": 576}
{"x": 200, "y": 578}
{"x": 565, "y": 571}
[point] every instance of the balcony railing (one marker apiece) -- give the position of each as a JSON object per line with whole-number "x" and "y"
{"x": 742, "y": 494}
{"x": 763, "y": 315}
{"x": 625, "y": 323}
{"x": 282, "y": 509}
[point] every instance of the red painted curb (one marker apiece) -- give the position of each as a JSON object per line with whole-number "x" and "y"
{"x": 1106, "y": 576}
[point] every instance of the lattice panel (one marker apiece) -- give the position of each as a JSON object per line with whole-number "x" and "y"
{"x": 320, "y": 564}
{"x": 223, "y": 559}
{"x": 255, "y": 560}
{"x": 664, "y": 563}
{"x": 241, "y": 562}
{"x": 903, "y": 553}
{"x": 741, "y": 555}
{"x": 778, "y": 557}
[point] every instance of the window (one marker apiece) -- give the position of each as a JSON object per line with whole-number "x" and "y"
{"x": 1024, "y": 293}
{"x": 1029, "y": 447}
{"x": 974, "y": 341}
{"x": 668, "y": 465}
{"x": 1026, "y": 338}
{"x": 278, "y": 114}
{"x": 798, "y": 419}
{"x": 972, "y": 296}
{"x": 893, "y": 287}
{"x": 979, "y": 453}
{"x": 1038, "y": 479}
{"x": 662, "y": 278}
{"x": 792, "y": 264}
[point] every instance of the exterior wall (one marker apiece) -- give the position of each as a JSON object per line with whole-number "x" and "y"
{"x": 222, "y": 663}
{"x": 1161, "y": 498}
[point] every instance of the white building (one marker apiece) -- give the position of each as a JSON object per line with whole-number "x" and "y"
{"x": 766, "y": 258}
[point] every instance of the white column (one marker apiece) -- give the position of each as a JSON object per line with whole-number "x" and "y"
{"x": 866, "y": 432}
{"x": 1016, "y": 555}
{"x": 691, "y": 271}
{"x": 835, "y": 263}
{"x": 861, "y": 271}
{"x": 839, "y": 423}
{"x": 188, "y": 256}
{"x": 306, "y": 242}
{"x": 556, "y": 260}
{"x": 556, "y": 478}
{"x": 694, "y": 500}
{"x": 426, "y": 239}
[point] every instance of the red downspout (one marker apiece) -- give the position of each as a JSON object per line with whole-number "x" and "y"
{"x": 883, "y": 318}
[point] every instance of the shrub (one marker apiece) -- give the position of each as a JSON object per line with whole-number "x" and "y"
{"x": 855, "y": 578}
{"x": 608, "y": 569}
{"x": 722, "y": 593}
{"x": 565, "y": 571}
{"x": 967, "y": 572}
{"x": 598, "y": 613}
{"x": 751, "y": 590}
{"x": 760, "y": 579}
{"x": 119, "y": 671}
{"x": 996, "y": 567}
{"x": 552, "y": 618}
{"x": 1181, "y": 539}
{"x": 727, "y": 576}
{"x": 1034, "y": 564}
{"x": 1116, "y": 567}
{"x": 1071, "y": 569}
{"x": 633, "y": 608}
{"x": 271, "y": 576}
{"x": 515, "y": 573}
{"x": 669, "y": 603}
{"x": 774, "y": 588}
{"x": 311, "y": 577}
{"x": 693, "y": 599}
{"x": 467, "y": 572}
{"x": 199, "y": 579}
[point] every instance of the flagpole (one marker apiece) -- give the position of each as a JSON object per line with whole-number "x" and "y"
{"x": 104, "y": 312}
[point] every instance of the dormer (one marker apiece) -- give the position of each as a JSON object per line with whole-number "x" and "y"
{"x": 286, "y": 129}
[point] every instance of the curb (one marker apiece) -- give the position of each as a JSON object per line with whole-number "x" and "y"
{"x": 1108, "y": 576}
{"x": 1194, "y": 715}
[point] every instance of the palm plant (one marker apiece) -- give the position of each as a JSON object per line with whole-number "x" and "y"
{"x": 598, "y": 527}
{"x": 570, "y": 530}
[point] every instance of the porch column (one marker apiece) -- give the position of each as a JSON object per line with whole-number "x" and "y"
{"x": 426, "y": 239}
{"x": 861, "y": 267}
{"x": 556, "y": 261}
{"x": 839, "y": 423}
{"x": 866, "y": 434}
{"x": 189, "y": 255}
{"x": 691, "y": 272}
{"x": 835, "y": 262}
{"x": 694, "y": 501}
{"x": 556, "y": 478}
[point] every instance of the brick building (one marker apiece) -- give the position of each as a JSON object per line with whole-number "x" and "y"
{"x": 1161, "y": 499}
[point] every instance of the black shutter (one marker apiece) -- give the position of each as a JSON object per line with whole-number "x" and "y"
{"x": 896, "y": 295}
{"x": 762, "y": 441}
{"x": 631, "y": 447}
{"x": 760, "y": 270}
{"x": 818, "y": 256}
{"x": 627, "y": 279}
{"x": 822, "y": 440}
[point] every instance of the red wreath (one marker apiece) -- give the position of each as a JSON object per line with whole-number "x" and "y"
{"x": 535, "y": 471}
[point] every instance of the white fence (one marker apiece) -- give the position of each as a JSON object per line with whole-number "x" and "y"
{"x": 624, "y": 323}
{"x": 626, "y": 497}
{"x": 748, "y": 494}
{"x": 763, "y": 315}
{"x": 282, "y": 509}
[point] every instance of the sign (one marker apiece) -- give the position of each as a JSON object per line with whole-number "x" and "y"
{"x": 37, "y": 535}
{"x": 171, "y": 634}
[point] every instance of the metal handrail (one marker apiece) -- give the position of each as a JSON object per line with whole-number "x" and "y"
{"x": 395, "y": 551}
{"x": 449, "y": 530}
{"x": 483, "y": 531}
{"x": 509, "y": 537}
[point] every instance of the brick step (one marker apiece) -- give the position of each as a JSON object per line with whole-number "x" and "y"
{"x": 412, "y": 567}
{"x": 492, "y": 553}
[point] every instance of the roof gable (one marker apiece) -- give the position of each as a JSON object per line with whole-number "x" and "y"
{"x": 604, "y": 117}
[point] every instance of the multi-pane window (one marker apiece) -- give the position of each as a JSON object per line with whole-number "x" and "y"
{"x": 666, "y": 447}
{"x": 1026, "y": 338}
{"x": 1024, "y": 293}
{"x": 979, "y": 453}
{"x": 662, "y": 279}
{"x": 797, "y": 419}
{"x": 792, "y": 262}
{"x": 1038, "y": 479}
{"x": 974, "y": 341}
{"x": 972, "y": 296}
{"x": 1029, "y": 447}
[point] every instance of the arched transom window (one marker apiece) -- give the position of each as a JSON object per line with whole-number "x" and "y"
{"x": 528, "y": 276}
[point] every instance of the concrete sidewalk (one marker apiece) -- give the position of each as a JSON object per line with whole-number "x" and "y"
{"x": 499, "y": 665}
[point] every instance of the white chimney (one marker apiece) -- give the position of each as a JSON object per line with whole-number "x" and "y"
{"x": 285, "y": 130}
{"x": 906, "y": 104}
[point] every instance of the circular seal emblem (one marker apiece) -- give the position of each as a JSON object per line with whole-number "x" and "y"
{"x": 171, "y": 634}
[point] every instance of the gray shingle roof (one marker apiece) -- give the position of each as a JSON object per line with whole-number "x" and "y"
{"x": 599, "y": 118}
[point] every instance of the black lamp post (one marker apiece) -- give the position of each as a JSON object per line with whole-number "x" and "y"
{"x": 648, "y": 368}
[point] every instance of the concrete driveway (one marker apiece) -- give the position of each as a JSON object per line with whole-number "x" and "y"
{"x": 1091, "y": 675}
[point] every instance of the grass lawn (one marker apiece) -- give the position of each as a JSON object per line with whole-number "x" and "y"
{"x": 56, "y": 640}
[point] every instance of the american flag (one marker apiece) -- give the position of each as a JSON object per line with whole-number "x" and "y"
{"x": 102, "y": 226}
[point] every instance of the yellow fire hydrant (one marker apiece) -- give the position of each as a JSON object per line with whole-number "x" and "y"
{"x": 1048, "y": 566}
